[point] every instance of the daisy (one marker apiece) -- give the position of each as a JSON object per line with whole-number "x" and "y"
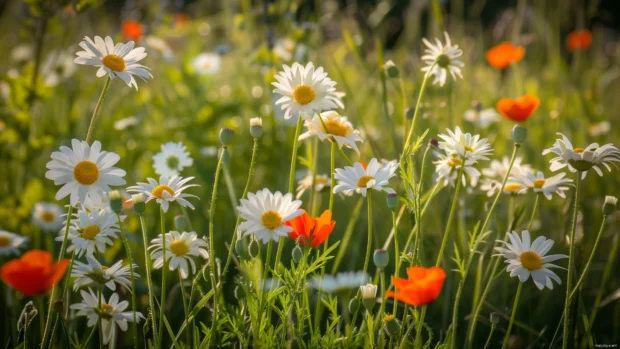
{"x": 91, "y": 232}
{"x": 305, "y": 90}
{"x": 47, "y": 216}
{"x": 546, "y": 186}
{"x": 160, "y": 46}
{"x": 514, "y": 187}
{"x": 332, "y": 127}
{"x": 114, "y": 60}
{"x": 94, "y": 273}
{"x": 180, "y": 247}
{"x": 10, "y": 243}
{"x": 172, "y": 159}
{"x": 125, "y": 123}
{"x": 166, "y": 191}
{"x": 57, "y": 67}
{"x": 86, "y": 172}
{"x": 341, "y": 282}
{"x": 525, "y": 259}
{"x": 111, "y": 313}
{"x": 441, "y": 59}
{"x": 582, "y": 159}
{"x": 496, "y": 172}
{"x": 465, "y": 145}
{"x": 206, "y": 63}
{"x": 265, "y": 214}
{"x": 321, "y": 181}
{"x": 448, "y": 167}
{"x": 284, "y": 49}
{"x": 481, "y": 118}
{"x": 361, "y": 178}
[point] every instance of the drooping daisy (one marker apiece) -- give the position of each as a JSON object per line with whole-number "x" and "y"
{"x": 166, "y": 191}
{"x": 120, "y": 60}
{"x": 321, "y": 181}
{"x": 111, "y": 313}
{"x": 172, "y": 159}
{"x": 265, "y": 214}
{"x": 546, "y": 186}
{"x": 465, "y": 145}
{"x": 481, "y": 118}
{"x": 525, "y": 259}
{"x": 47, "y": 216}
{"x": 360, "y": 179}
{"x": 86, "y": 172}
{"x": 180, "y": 248}
{"x": 91, "y": 231}
{"x": 341, "y": 282}
{"x": 95, "y": 273}
{"x": 305, "y": 90}
{"x": 11, "y": 243}
{"x": 582, "y": 159}
{"x": 206, "y": 63}
{"x": 333, "y": 127}
{"x": 442, "y": 59}
{"x": 447, "y": 169}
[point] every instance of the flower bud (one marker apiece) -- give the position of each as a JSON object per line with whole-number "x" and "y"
{"x": 138, "y": 202}
{"x": 242, "y": 249}
{"x": 354, "y": 305}
{"x": 610, "y": 205}
{"x": 298, "y": 254}
{"x": 519, "y": 134}
{"x": 180, "y": 223}
{"x": 391, "y": 69}
{"x": 369, "y": 295}
{"x": 59, "y": 306}
{"x": 392, "y": 200}
{"x": 116, "y": 201}
{"x": 239, "y": 292}
{"x": 253, "y": 248}
{"x": 494, "y": 318}
{"x": 226, "y": 136}
{"x": 409, "y": 113}
{"x": 256, "y": 127}
{"x": 392, "y": 326}
{"x": 381, "y": 258}
{"x": 477, "y": 105}
{"x": 434, "y": 143}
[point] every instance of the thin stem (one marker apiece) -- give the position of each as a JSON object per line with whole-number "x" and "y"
{"x": 347, "y": 234}
{"x": 396, "y": 259}
{"x": 455, "y": 200}
{"x": 512, "y": 315}
{"x": 571, "y": 257}
{"x": 212, "y": 260}
{"x": 369, "y": 243}
{"x": 416, "y": 113}
{"x": 291, "y": 176}
{"x": 184, "y": 300}
{"x": 534, "y": 211}
{"x": 332, "y": 170}
{"x": 263, "y": 292}
{"x": 418, "y": 204}
{"x": 490, "y": 336}
{"x": 313, "y": 152}
{"x": 585, "y": 269}
{"x": 133, "y": 281}
{"x": 418, "y": 329}
{"x": 403, "y": 96}
{"x": 162, "y": 303}
{"x": 149, "y": 281}
{"x": 382, "y": 309}
{"x": 89, "y": 337}
{"x": 96, "y": 111}
{"x": 611, "y": 258}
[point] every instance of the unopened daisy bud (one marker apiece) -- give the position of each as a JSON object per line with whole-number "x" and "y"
{"x": 180, "y": 223}
{"x": 354, "y": 305}
{"x": 226, "y": 136}
{"x": 256, "y": 127}
{"x": 369, "y": 295}
{"x": 242, "y": 249}
{"x": 381, "y": 258}
{"x": 392, "y": 200}
{"x": 434, "y": 143}
{"x": 409, "y": 113}
{"x": 392, "y": 326}
{"x": 138, "y": 203}
{"x": 391, "y": 69}
{"x": 494, "y": 318}
{"x": 610, "y": 205}
{"x": 116, "y": 201}
{"x": 297, "y": 254}
{"x": 253, "y": 248}
{"x": 519, "y": 134}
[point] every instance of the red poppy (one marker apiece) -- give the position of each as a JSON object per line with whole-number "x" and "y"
{"x": 518, "y": 109}
{"x": 132, "y": 30}
{"x": 422, "y": 287}
{"x": 504, "y": 54}
{"x": 579, "y": 40}
{"x": 33, "y": 273}
{"x": 309, "y": 231}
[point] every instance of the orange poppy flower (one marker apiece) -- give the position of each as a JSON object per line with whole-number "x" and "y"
{"x": 309, "y": 231}
{"x": 518, "y": 109}
{"x": 504, "y": 54}
{"x": 579, "y": 40}
{"x": 422, "y": 287}
{"x": 180, "y": 20}
{"x": 132, "y": 30}
{"x": 33, "y": 273}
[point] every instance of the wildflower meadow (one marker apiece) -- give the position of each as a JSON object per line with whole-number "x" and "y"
{"x": 309, "y": 174}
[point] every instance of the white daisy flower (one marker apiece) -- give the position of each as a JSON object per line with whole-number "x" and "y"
{"x": 95, "y": 273}
{"x": 546, "y": 186}
{"x": 57, "y": 67}
{"x": 465, "y": 145}
{"x": 86, "y": 172}
{"x": 125, "y": 123}
{"x": 305, "y": 183}
{"x": 582, "y": 159}
{"x": 180, "y": 248}
{"x": 166, "y": 191}
{"x": 333, "y": 127}
{"x": 284, "y": 49}
{"x": 11, "y": 243}
{"x": 91, "y": 232}
{"x": 360, "y": 179}
{"x": 525, "y": 259}
{"x": 206, "y": 63}
{"x": 496, "y": 172}
{"x": 305, "y": 90}
{"x": 599, "y": 128}
{"x": 160, "y": 46}
{"x": 265, "y": 213}
{"x": 447, "y": 169}
{"x": 48, "y": 216}
{"x": 482, "y": 118}
{"x": 111, "y": 313}
{"x": 442, "y": 59}
{"x": 514, "y": 187}
{"x": 172, "y": 159}
{"x": 341, "y": 282}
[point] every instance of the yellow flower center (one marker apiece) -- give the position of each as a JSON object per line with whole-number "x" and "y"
{"x": 114, "y": 62}
{"x": 452, "y": 162}
{"x": 158, "y": 191}
{"x": 179, "y": 248}
{"x": 468, "y": 148}
{"x": 336, "y": 128}
{"x": 48, "y": 217}
{"x": 5, "y": 241}
{"x": 578, "y": 150}
{"x": 206, "y": 66}
{"x": 86, "y": 172}
{"x": 321, "y": 180}
{"x": 531, "y": 260}
{"x": 303, "y": 94}
{"x": 538, "y": 183}
{"x": 363, "y": 181}
{"x": 512, "y": 187}
{"x": 106, "y": 307}
{"x": 104, "y": 268}
{"x": 388, "y": 317}
{"x": 90, "y": 232}
{"x": 271, "y": 219}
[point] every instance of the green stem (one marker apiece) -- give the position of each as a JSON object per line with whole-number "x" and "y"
{"x": 611, "y": 258}
{"x": 149, "y": 281}
{"x": 332, "y": 172}
{"x": 534, "y": 211}
{"x": 396, "y": 259}
{"x": 512, "y": 315}
{"x": 96, "y": 111}
{"x": 571, "y": 261}
{"x": 416, "y": 113}
{"x": 587, "y": 267}
{"x": 291, "y": 176}
{"x": 369, "y": 243}
{"x": 313, "y": 153}
{"x": 347, "y": 234}
{"x": 403, "y": 96}
{"x": 455, "y": 200}
{"x": 382, "y": 309}
{"x": 418, "y": 329}
{"x": 184, "y": 300}
{"x": 490, "y": 336}
{"x": 162, "y": 303}
{"x": 89, "y": 337}
{"x": 263, "y": 293}
{"x": 418, "y": 204}
{"x": 212, "y": 259}
{"x": 133, "y": 281}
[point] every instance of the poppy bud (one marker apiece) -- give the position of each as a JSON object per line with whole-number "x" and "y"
{"x": 242, "y": 249}
{"x": 253, "y": 248}
{"x": 381, "y": 258}
{"x": 297, "y": 254}
{"x": 391, "y": 69}
{"x": 610, "y": 205}
{"x": 59, "y": 306}
{"x": 392, "y": 200}
{"x": 354, "y": 305}
{"x": 494, "y": 318}
{"x": 433, "y": 142}
{"x": 519, "y": 134}
{"x": 409, "y": 113}
{"x": 226, "y": 136}
{"x": 392, "y": 326}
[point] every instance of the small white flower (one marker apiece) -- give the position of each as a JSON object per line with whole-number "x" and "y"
{"x": 11, "y": 243}
{"x": 599, "y": 128}
{"x": 47, "y": 216}
{"x": 496, "y": 172}
{"x": 265, "y": 214}
{"x": 368, "y": 291}
{"x": 172, "y": 159}
{"x": 448, "y": 167}
{"x": 94, "y": 273}
{"x": 465, "y": 145}
{"x": 525, "y": 259}
{"x": 206, "y": 63}
{"x": 57, "y": 67}
{"x": 442, "y": 59}
{"x": 90, "y": 232}
{"x": 125, "y": 123}
{"x": 284, "y": 49}
{"x": 120, "y": 60}
{"x": 321, "y": 181}
{"x": 540, "y": 184}
{"x": 305, "y": 90}
{"x": 341, "y": 282}
{"x": 333, "y": 127}
{"x": 166, "y": 191}
{"x": 160, "y": 46}
{"x": 180, "y": 248}
{"x": 359, "y": 179}
{"x": 482, "y": 118}
{"x": 86, "y": 172}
